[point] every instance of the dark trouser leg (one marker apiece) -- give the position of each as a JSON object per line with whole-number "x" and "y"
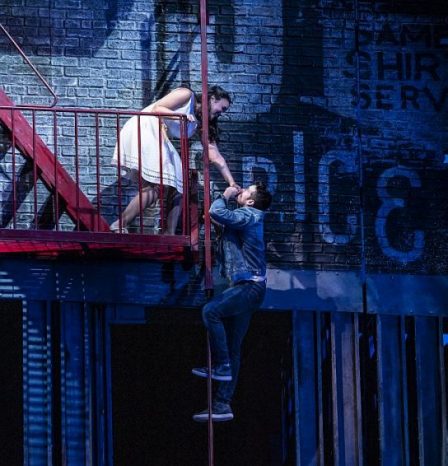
{"x": 227, "y": 304}
{"x": 236, "y": 328}
{"x": 235, "y": 309}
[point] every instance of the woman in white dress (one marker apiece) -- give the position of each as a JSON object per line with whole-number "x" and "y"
{"x": 180, "y": 100}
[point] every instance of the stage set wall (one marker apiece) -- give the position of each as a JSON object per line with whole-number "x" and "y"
{"x": 341, "y": 108}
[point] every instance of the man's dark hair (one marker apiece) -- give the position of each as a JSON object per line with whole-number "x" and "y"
{"x": 262, "y": 197}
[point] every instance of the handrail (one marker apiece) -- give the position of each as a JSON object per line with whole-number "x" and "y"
{"x": 94, "y": 111}
{"x": 27, "y": 60}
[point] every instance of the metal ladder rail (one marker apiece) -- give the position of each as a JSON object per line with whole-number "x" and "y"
{"x": 35, "y": 70}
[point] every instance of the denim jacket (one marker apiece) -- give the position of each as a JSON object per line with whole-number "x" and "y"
{"x": 242, "y": 242}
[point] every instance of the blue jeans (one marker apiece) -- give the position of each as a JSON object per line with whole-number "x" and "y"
{"x": 227, "y": 318}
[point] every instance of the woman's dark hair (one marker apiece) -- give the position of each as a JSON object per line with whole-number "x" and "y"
{"x": 262, "y": 197}
{"x": 218, "y": 93}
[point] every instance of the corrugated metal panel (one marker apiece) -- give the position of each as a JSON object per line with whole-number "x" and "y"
{"x": 392, "y": 390}
{"x": 370, "y": 389}
{"x": 75, "y": 369}
{"x": 37, "y": 384}
{"x": 429, "y": 396}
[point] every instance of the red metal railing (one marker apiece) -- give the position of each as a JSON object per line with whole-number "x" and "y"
{"x": 27, "y": 60}
{"x": 72, "y": 176}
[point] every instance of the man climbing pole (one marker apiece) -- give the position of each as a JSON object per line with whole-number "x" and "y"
{"x": 227, "y": 316}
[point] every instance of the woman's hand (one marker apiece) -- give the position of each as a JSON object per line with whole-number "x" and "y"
{"x": 231, "y": 192}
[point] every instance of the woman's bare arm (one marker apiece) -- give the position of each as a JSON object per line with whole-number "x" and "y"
{"x": 220, "y": 163}
{"x": 173, "y": 100}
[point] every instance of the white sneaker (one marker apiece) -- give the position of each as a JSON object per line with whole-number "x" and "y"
{"x": 115, "y": 228}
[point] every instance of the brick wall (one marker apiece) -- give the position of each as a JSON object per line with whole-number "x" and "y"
{"x": 341, "y": 106}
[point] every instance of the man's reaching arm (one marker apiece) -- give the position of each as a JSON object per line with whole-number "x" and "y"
{"x": 219, "y": 211}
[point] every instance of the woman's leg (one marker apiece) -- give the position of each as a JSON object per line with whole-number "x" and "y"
{"x": 174, "y": 211}
{"x": 150, "y": 194}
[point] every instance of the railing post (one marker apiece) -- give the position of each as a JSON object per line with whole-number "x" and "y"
{"x": 205, "y": 141}
{"x": 208, "y": 284}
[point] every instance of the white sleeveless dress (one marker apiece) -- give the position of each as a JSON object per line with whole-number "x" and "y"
{"x": 150, "y": 160}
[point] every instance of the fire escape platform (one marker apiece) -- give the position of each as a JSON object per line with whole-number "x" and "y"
{"x": 41, "y": 243}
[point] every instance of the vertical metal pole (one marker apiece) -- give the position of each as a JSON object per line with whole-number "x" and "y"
{"x": 442, "y": 368}
{"x": 56, "y": 175}
{"x": 35, "y": 213}
{"x": 295, "y": 361}
{"x": 208, "y": 283}
{"x": 91, "y": 390}
{"x": 62, "y": 383}
{"x": 98, "y": 174}
{"x": 161, "y": 187}
{"x": 320, "y": 409}
{"x": 404, "y": 391}
{"x": 88, "y": 375}
{"x": 52, "y": 371}
{"x": 107, "y": 348}
{"x": 120, "y": 202}
{"x": 418, "y": 387}
{"x": 380, "y": 384}
{"x": 205, "y": 141}
{"x": 14, "y": 180}
{"x": 185, "y": 177}
{"x": 209, "y": 404}
{"x": 140, "y": 182}
{"x": 357, "y": 390}
{"x": 338, "y": 429}
{"x": 77, "y": 169}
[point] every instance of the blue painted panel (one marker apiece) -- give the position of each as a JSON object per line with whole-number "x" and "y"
{"x": 74, "y": 394}
{"x": 37, "y": 393}
{"x": 22, "y": 279}
{"x": 100, "y": 281}
{"x": 346, "y": 386}
{"x": 313, "y": 290}
{"x": 407, "y": 294}
{"x": 391, "y": 392}
{"x": 308, "y": 391}
{"x": 146, "y": 283}
{"x": 429, "y": 396}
